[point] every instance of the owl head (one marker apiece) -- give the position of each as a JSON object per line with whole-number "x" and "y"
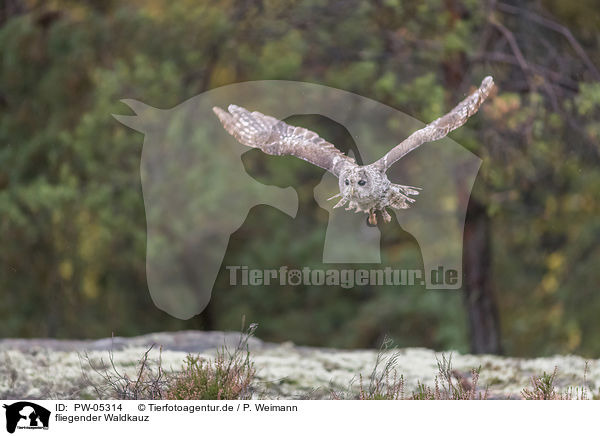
{"x": 360, "y": 183}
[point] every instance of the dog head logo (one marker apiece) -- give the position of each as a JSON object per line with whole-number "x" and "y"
{"x": 26, "y": 415}
{"x": 197, "y": 191}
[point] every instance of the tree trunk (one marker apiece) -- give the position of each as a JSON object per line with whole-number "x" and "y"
{"x": 481, "y": 306}
{"x": 480, "y": 300}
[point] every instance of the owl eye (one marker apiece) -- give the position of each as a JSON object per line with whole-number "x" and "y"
{"x": 347, "y": 182}
{"x": 362, "y": 182}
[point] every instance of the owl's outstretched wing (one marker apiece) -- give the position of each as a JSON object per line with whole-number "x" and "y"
{"x": 440, "y": 127}
{"x": 275, "y": 137}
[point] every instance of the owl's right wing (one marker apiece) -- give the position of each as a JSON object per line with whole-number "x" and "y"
{"x": 441, "y": 127}
{"x": 275, "y": 137}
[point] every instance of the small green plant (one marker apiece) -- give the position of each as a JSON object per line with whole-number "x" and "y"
{"x": 424, "y": 392}
{"x": 227, "y": 377}
{"x": 450, "y": 384}
{"x": 543, "y": 388}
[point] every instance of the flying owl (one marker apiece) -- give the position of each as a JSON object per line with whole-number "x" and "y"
{"x": 362, "y": 188}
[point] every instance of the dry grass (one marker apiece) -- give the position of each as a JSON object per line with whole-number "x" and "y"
{"x": 385, "y": 384}
{"x": 149, "y": 382}
{"x": 228, "y": 377}
{"x": 449, "y": 384}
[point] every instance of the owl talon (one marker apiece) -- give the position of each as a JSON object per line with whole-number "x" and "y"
{"x": 386, "y": 216}
{"x": 372, "y": 218}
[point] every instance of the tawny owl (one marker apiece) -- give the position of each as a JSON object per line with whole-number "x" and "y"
{"x": 363, "y": 188}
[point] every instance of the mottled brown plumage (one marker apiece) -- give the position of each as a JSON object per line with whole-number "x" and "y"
{"x": 363, "y": 188}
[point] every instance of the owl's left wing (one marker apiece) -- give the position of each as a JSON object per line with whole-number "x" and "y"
{"x": 440, "y": 127}
{"x": 275, "y": 137}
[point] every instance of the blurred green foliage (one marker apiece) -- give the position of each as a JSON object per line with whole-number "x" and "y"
{"x": 72, "y": 258}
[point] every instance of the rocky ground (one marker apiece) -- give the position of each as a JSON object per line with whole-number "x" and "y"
{"x": 59, "y": 369}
